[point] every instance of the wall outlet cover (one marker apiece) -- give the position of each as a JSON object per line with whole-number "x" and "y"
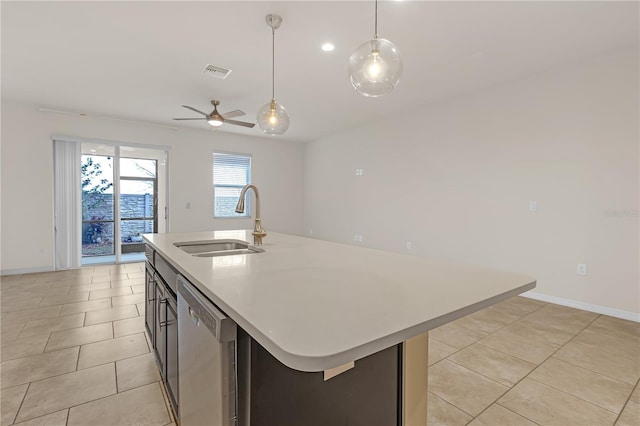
{"x": 581, "y": 269}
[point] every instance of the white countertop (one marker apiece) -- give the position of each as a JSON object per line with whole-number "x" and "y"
{"x": 315, "y": 305}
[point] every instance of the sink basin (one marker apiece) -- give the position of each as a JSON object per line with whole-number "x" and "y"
{"x": 217, "y": 248}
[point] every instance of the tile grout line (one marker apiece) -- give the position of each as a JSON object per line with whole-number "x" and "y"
{"x": 517, "y": 414}
{"x": 508, "y": 388}
{"x": 495, "y": 331}
{"x": 527, "y": 375}
{"x": 560, "y": 346}
{"x": 627, "y": 401}
{"x": 482, "y": 338}
{"x": 78, "y": 358}
{"x": 47, "y": 343}
{"x": 578, "y": 366}
{"x": 537, "y": 366}
{"x": 572, "y": 395}
{"x": 115, "y": 372}
{"x": 73, "y": 406}
{"x": 55, "y": 375}
{"x": 15, "y": 417}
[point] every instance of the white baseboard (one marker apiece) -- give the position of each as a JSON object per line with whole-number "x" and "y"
{"x": 618, "y": 313}
{"x": 20, "y": 271}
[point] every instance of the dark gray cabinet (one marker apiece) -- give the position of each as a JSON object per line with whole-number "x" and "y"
{"x": 170, "y": 329}
{"x": 272, "y": 394}
{"x": 161, "y": 320}
{"x": 150, "y": 302}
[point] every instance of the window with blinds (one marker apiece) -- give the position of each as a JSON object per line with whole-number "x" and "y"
{"x": 230, "y": 173}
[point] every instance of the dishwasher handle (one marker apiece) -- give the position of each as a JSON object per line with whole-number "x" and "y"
{"x": 194, "y": 317}
{"x": 202, "y": 311}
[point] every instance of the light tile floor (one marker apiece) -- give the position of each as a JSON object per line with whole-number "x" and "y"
{"x": 526, "y": 362}
{"x": 73, "y": 352}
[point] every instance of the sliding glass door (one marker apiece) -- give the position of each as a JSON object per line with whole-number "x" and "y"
{"x": 122, "y": 189}
{"x": 138, "y": 202}
{"x": 98, "y": 233}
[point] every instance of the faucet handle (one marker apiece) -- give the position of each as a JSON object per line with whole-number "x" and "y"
{"x": 258, "y": 233}
{"x": 257, "y": 238}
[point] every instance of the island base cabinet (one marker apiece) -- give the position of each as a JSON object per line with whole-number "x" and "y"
{"x": 161, "y": 323}
{"x": 150, "y": 303}
{"x": 272, "y": 394}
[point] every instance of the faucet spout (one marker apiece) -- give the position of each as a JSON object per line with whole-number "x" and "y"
{"x": 258, "y": 233}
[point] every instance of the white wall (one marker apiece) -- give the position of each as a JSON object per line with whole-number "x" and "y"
{"x": 455, "y": 179}
{"x": 27, "y": 172}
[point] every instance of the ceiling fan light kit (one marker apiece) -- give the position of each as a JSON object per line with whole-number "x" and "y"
{"x": 215, "y": 119}
{"x": 273, "y": 118}
{"x": 375, "y": 67}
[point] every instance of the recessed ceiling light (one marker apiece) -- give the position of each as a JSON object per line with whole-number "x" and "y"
{"x": 328, "y": 47}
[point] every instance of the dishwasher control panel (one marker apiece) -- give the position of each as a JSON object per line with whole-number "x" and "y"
{"x": 203, "y": 312}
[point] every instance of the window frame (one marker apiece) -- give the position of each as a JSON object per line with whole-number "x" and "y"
{"x": 247, "y": 210}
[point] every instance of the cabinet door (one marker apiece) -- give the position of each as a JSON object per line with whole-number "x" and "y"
{"x": 160, "y": 329}
{"x": 172, "y": 351}
{"x": 149, "y": 308}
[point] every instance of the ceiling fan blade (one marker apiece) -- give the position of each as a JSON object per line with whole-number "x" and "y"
{"x": 239, "y": 123}
{"x": 203, "y": 118}
{"x": 231, "y": 114}
{"x": 193, "y": 109}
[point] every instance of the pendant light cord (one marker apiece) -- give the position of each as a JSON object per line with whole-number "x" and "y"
{"x": 273, "y": 63}
{"x": 376, "y": 20}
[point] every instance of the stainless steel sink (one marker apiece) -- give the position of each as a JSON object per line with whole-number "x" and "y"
{"x": 217, "y": 248}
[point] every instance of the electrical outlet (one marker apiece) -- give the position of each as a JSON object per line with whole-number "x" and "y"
{"x": 358, "y": 238}
{"x": 408, "y": 245}
{"x": 533, "y": 206}
{"x": 581, "y": 269}
{"x": 359, "y": 172}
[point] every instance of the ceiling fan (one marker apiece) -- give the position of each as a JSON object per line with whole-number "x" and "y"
{"x": 216, "y": 119}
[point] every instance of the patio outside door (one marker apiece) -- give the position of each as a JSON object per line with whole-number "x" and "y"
{"x": 120, "y": 201}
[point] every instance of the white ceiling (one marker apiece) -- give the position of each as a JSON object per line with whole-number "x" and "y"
{"x": 142, "y": 60}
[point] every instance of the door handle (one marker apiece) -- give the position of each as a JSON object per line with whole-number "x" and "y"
{"x": 151, "y": 284}
{"x": 162, "y": 301}
{"x": 162, "y": 323}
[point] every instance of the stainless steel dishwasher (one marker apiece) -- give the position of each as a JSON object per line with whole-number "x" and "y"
{"x": 207, "y": 353}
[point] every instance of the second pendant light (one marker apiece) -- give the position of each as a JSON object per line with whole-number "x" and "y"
{"x": 272, "y": 117}
{"x": 376, "y": 66}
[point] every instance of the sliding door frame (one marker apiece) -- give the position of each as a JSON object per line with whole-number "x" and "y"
{"x": 116, "y": 187}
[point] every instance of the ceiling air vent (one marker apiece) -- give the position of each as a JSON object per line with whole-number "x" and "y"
{"x": 217, "y": 72}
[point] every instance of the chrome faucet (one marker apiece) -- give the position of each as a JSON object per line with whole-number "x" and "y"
{"x": 258, "y": 233}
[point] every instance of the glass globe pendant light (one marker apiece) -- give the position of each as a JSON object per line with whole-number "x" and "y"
{"x": 272, "y": 117}
{"x": 376, "y": 66}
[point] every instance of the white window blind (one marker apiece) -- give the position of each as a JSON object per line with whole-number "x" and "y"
{"x": 230, "y": 173}
{"x": 67, "y": 204}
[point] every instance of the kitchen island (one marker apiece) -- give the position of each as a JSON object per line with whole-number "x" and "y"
{"x": 318, "y": 306}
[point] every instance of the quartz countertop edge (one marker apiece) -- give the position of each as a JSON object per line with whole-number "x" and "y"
{"x": 315, "y": 305}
